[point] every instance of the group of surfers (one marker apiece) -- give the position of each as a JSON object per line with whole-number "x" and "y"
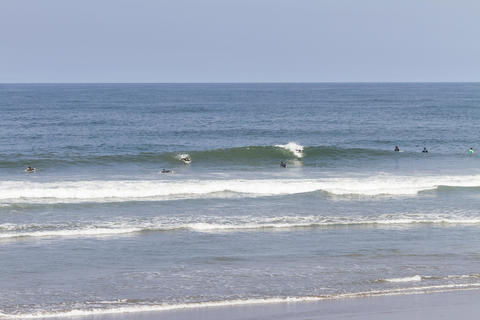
{"x": 397, "y": 149}
{"x": 283, "y": 164}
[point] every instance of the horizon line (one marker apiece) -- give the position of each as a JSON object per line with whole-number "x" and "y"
{"x": 243, "y": 82}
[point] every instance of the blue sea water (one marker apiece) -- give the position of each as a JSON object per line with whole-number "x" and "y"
{"x": 99, "y": 228}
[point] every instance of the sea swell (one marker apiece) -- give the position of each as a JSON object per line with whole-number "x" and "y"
{"x": 248, "y": 155}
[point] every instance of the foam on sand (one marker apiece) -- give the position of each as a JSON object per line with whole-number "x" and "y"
{"x": 126, "y": 307}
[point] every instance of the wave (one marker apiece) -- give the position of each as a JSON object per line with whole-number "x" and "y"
{"x": 418, "y": 278}
{"x": 146, "y": 190}
{"x": 87, "y": 232}
{"x": 248, "y": 155}
{"x": 136, "y": 307}
{"x": 294, "y": 148}
{"x": 225, "y": 224}
{"x": 415, "y": 278}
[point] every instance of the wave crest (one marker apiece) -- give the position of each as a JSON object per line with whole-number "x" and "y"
{"x": 248, "y": 155}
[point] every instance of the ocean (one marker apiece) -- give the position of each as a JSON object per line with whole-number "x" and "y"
{"x": 98, "y": 228}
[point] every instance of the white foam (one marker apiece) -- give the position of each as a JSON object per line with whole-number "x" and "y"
{"x": 293, "y": 147}
{"x": 124, "y": 190}
{"x": 464, "y": 276}
{"x": 200, "y": 223}
{"x": 183, "y": 157}
{"x": 87, "y": 232}
{"x": 166, "y": 307}
{"x": 285, "y": 222}
{"x": 415, "y": 278}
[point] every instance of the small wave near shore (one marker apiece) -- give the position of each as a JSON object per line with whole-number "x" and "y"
{"x": 123, "y": 306}
{"x": 219, "y": 224}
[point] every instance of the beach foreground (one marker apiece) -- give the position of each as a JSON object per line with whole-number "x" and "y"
{"x": 446, "y": 305}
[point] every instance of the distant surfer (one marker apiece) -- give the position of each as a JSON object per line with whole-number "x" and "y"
{"x": 425, "y": 150}
{"x": 471, "y": 151}
{"x": 185, "y": 158}
{"x": 283, "y": 164}
{"x": 30, "y": 169}
{"x": 397, "y": 149}
{"x": 166, "y": 171}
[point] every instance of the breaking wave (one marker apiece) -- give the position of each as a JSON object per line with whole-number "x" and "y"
{"x": 248, "y": 155}
{"x": 130, "y": 190}
{"x": 295, "y": 149}
{"x": 226, "y": 224}
{"x": 418, "y": 278}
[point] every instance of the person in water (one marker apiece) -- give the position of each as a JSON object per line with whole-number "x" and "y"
{"x": 283, "y": 164}
{"x": 30, "y": 169}
{"x": 396, "y": 149}
{"x": 166, "y": 171}
{"x": 425, "y": 150}
{"x": 471, "y": 151}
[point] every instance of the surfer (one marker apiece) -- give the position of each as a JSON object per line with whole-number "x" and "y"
{"x": 186, "y": 159}
{"x": 396, "y": 149}
{"x": 471, "y": 151}
{"x": 30, "y": 169}
{"x": 283, "y": 164}
{"x": 166, "y": 171}
{"x": 425, "y": 150}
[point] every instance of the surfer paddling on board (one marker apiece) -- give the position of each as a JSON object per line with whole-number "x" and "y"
{"x": 167, "y": 171}
{"x": 283, "y": 164}
{"x": 30, "y": 169}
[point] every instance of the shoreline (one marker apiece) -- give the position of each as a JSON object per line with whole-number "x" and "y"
{"x": 361, "y": 305}
{"x": 462, "y": 304}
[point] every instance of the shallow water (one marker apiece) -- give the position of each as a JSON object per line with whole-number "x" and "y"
{"x": 99, "y": 228}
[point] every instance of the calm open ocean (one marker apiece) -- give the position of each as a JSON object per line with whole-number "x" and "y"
{"x": 99, "y": 228}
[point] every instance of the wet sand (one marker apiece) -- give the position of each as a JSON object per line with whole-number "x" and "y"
{"x": 447, "y": 305}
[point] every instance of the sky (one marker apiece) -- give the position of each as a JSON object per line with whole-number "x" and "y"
{"x": 57, "y": 41}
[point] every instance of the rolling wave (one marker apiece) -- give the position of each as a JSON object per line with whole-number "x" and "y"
{"x": 224, "y": 224}
{"x": 249, "y": 155}
{"x": 146, "y": 190}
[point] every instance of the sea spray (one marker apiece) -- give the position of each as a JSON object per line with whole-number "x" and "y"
{"x": 293, "y": 147}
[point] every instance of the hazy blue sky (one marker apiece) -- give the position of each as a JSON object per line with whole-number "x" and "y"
{"x": 239, "y": 41}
